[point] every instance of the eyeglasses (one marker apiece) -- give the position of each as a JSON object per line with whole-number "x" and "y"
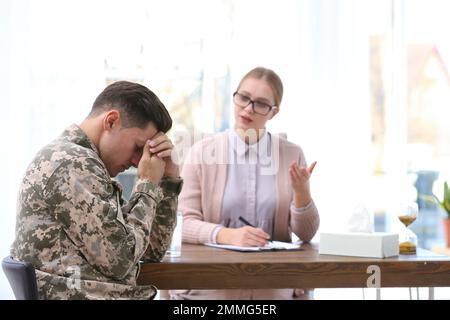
{"x": 257, "y": 107}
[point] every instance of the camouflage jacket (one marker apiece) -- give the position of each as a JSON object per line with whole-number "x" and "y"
{"x": 72, "y": 224}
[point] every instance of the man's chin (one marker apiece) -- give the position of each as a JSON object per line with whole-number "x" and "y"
{"x": 113, "y": 173}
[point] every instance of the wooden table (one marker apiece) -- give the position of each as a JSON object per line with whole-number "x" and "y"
{"x": 202, "y": 267}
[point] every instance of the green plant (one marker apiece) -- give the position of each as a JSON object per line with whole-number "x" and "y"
{"x": 444, "y": 204}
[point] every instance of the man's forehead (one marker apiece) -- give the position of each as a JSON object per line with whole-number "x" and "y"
{"x": 148, "y": 132}
{"x": 140, "y": 141}
{"x": 141, "y": 135}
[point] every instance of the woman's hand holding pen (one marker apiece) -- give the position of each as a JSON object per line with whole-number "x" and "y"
{"x": 245, "y": 237}
{"x": 300, "y": 183}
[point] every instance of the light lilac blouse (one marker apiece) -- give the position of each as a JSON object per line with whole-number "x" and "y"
{"x": 249, "y": 192}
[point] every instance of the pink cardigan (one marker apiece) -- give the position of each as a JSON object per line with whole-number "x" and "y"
{"x": 201, "y": 203}
{"x": 204, "y": 184}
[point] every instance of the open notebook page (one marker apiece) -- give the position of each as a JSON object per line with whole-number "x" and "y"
{"x": 271, "y": 246}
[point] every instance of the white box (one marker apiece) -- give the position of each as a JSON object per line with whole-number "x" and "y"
{"x": 374, "y": 245}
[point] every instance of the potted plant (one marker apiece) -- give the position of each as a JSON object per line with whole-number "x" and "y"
{"x": 445, "y": 204}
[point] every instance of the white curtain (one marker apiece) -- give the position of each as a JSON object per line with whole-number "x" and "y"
{"x": 51, "y": 70}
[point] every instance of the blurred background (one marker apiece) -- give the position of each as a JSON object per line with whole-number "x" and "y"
{"x": 367, "y": 87}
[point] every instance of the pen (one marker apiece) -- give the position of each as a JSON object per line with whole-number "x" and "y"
{"x": 244, "y": 221}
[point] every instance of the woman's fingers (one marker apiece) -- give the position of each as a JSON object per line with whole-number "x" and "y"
{"x": 261, "y": 233}
{"x": 312, "y": 166}
{"x": 254, "y": 242}
{"x": 255, "y": 236}
{"x": 257, "y": 232}
{"x": 302, "y": 171}
{"x": 296, "y": 178}
{"x": 293, "y": 175}
{"x": 299, "y": 174}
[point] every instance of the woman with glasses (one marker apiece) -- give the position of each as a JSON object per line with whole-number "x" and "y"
{"x": 257, "y": 177}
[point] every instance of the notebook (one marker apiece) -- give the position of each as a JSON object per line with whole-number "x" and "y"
{"x": 271, "y": 246}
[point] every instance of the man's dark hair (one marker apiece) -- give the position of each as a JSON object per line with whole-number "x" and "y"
{"x": 136, "y": 103}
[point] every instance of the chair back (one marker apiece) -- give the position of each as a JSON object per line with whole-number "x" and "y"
{"x": 21, "y": 277}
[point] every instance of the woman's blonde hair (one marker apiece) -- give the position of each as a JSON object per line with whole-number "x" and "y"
{"x": 272, "y": 79}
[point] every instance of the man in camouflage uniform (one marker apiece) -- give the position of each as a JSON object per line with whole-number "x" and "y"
{"x": 83, "y": 239}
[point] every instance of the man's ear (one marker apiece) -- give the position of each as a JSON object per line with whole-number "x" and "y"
{"x": 111, "y": 120}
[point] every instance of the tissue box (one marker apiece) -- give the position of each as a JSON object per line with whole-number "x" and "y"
{"x": 376, "y": 245}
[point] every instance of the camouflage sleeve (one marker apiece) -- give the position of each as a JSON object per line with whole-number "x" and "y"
{"x": 165, "y": 220}
{"x": 84, "y": 200}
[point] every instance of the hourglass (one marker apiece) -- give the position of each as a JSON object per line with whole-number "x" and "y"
{"x": 407, "y": 238}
